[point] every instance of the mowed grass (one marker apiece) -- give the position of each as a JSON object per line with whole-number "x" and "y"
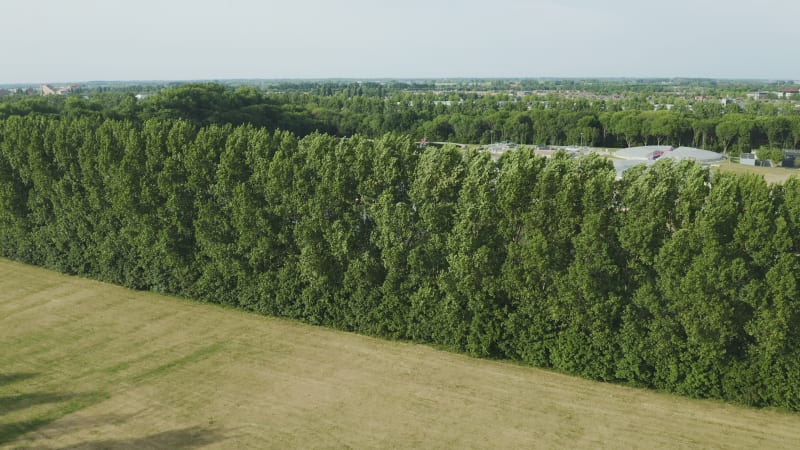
{"x": 90, "y": 365}
{"x": 770, "y": 174}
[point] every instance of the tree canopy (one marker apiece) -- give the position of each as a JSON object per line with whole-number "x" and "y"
{"x": 668, "y": 278}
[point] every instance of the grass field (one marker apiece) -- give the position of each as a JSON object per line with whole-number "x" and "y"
{"x": 770, "y": 174}
{"x": 90, "y": 365}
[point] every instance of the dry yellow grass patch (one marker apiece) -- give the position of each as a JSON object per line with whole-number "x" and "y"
{"x": 770, "y": 174}
{"x": 85, "y": 364}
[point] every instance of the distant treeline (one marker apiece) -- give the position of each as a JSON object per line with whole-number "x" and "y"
{"x": 374, "y": 109}
{"x": 668, "y": 278}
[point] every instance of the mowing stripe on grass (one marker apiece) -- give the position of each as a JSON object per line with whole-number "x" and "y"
{"x": 196, "y": 356}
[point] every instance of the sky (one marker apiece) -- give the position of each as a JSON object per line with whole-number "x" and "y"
{"x": 50, "y": 41}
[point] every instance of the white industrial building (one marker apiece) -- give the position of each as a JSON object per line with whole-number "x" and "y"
{"x": 649, "y": 154}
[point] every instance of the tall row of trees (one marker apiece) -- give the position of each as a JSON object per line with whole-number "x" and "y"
{"x": 668, "y": 278}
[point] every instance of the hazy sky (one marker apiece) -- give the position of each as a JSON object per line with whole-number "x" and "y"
{"x": 83, "y": 40}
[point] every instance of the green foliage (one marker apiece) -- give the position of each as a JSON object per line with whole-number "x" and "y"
{"x": 605, "y": 114}
{"x": 667, "y": 278}
{"x": 774, "y": 155}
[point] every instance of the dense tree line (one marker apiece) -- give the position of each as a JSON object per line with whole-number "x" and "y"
{"x": 668, "y": 278}
{"x": 373, "y": 109}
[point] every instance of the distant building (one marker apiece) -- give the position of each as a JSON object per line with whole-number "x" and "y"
{"x": 48, "y": 90}
{"x": 732, "y": 101}
{"x": 791, "y": 158}
{"x": 501, "y": 147}
{"x": 760, "y": 95}
{"x": 649, "y": 154}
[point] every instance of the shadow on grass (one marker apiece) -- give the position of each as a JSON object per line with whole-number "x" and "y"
{"x": 11, "y": 378}
{"x": 192, "y": 437}
{"x": 60, "y": 406}
{"x": 11, "y": 403}
{"x": 70, "y": 424}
